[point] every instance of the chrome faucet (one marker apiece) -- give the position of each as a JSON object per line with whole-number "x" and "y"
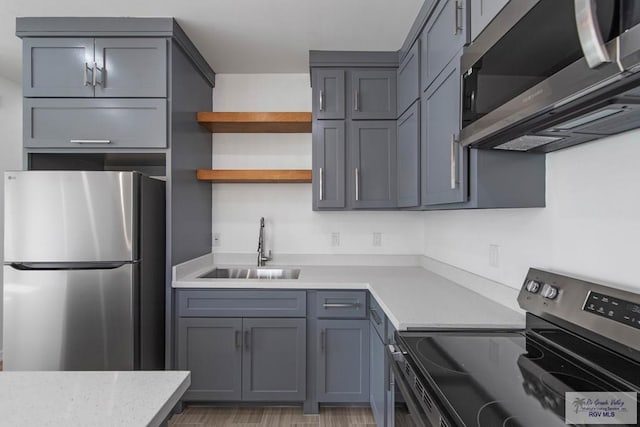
{"x": 262, "y": 258}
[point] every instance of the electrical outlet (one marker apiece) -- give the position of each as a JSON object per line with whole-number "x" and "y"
{"x": 217, "y": 239}
{"x": 377, "y": 238}
{"x": 494, "y": 256}
{"x": 335, "y": 238}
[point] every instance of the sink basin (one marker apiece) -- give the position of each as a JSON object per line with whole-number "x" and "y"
{"x": 252, "y": 273}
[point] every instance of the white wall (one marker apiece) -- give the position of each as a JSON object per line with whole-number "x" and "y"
{"x": 590, "y": 226}
{"x": 10, "y": 148}
{"x": 291, "y": 225}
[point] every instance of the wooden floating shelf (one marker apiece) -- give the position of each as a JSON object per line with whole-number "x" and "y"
{"x": 280, "y": 122}
{"x": 255, "y": 175}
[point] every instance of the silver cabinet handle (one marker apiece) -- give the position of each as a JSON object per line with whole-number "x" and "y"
{"x": 357, "y": 184}
{"x": 453, "y": 161}
{"x": 247, "y": 338}
{"x": 321, "y": 184}
{"x": 341, "y": 305}
{"x": 86, "y": 67}
{"x": 356, "y": 101}
{"x": 237, "y": 340}
{"x": 94, "y": 79}
{"x": 322, "y": 339}
{"x": 589, "y": 33}
{"x": 90, "y": 141}
{"x": 457, "y": 8}
{"x": 321, "y": 100}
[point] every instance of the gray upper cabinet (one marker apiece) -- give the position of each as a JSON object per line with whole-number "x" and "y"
{"x": 100, "y": 67}
{"x": 57, "y": 67}
{"x": 373, "y": 94}
{"x": 131, "y": 67}
{"x": 90, "y": 123}
{"x": 444, "y": 171}
{"x": 483, "y": 12}
{"x": 408, "y": 157}
{"x": 211, "y": 349}
{"x": 328, "y": 94}
{"x": 343, "y": 362}
{"x": 371, "y": 175}
{"x": 409, "y": 78}
{"x": 445, "y": 33}
{"x": 274, "y": 359}
{"x": 328, "y": 164}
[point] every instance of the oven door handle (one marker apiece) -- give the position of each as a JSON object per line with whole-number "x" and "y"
{"x": 409, "y": 397}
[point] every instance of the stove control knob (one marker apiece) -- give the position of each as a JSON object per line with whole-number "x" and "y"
{"x": 532, "y": 286}
{"x": 549, "y": 291}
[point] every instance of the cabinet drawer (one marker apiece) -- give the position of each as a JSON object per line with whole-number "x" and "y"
{"x": 377, "y": 316}
{"x": 342, "y": 304}
{"x": 93, "y": 123}
{"x": 243, "y": 303}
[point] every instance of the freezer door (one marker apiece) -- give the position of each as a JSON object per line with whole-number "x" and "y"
{"x": 73, "y": 320}
{"x": 70, "y": 216}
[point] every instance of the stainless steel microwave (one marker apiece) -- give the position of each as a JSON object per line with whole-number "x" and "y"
{"x": 549, "y": 74}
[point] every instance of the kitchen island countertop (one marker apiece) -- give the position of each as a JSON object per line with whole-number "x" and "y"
{"x": 90, "y": 398}
{"x": 411, "y": 297}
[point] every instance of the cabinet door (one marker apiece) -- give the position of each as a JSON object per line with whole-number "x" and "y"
{"x": 372, "y": 171}
{"x": 211, "y": 348}
{"x": 409, "y": 78}
{"x": 409, "y": 157}
{"x": 59, "y": 67}
{"x": 131, "y": 67}
{"x": 377, "y": 378}
{"x": 373, "y": 94}
{"x": 483, "y": 12}
{"x": 274, "y": 359}
{"x": 328, "y": 164}
{"x": 91, "y": 123}
{"x": 444, "y": 161}
{"x": 328, "y": 94}
{"x": 443, "y": 36}
{"x": 343, "y": 362}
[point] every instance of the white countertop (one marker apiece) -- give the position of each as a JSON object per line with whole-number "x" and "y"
{"x": 107, "y": 398}
{"x": 411, "y": 297}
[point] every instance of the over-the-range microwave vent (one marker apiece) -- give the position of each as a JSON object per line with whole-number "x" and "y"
{"x": 558, "y": 131}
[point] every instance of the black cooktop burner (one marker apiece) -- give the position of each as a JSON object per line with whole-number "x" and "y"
{"x": 509, "y": 378}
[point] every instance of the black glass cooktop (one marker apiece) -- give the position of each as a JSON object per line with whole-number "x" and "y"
{"x": 509, "y": 379}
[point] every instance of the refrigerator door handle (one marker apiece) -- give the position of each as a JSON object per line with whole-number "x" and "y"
{"x": 24, "y": 266}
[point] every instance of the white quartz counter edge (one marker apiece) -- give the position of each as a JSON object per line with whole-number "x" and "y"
{"x": 411, "y": 297}
{"x": 96, "y": 398}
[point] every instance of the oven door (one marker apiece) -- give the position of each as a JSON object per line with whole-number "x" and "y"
{"x": 404, "y": 404}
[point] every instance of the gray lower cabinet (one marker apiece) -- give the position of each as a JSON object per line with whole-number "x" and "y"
{"x": 377, "y": 377}
{"x": 85, "y": 123}
{"x": 101, "y": 67}
{"x": 328, "y": 91}
{"x": 343, "y": 361}
{"x": 408, "y": 157}
{"x": 211, "y": 348}
{"x": 444, "y": 161}
{"x": 274, "y": 359}
{"x": 373, "y": 94}
{"x": 328, "y": 164}
{"x": 371, "y": 174}
{"x": 251, "y": 359}
{"x": 443, "y": 36}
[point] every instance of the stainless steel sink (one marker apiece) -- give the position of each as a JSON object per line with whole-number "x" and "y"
{"x": 252, "y": 273}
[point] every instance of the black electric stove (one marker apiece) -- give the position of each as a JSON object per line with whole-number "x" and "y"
{"x": 519, "y": 378}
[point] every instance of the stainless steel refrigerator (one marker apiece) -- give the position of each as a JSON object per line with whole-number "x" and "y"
{"x": 84, "y": 271}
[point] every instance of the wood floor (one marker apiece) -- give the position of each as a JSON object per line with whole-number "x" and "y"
{"x": 201, "y": 416}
